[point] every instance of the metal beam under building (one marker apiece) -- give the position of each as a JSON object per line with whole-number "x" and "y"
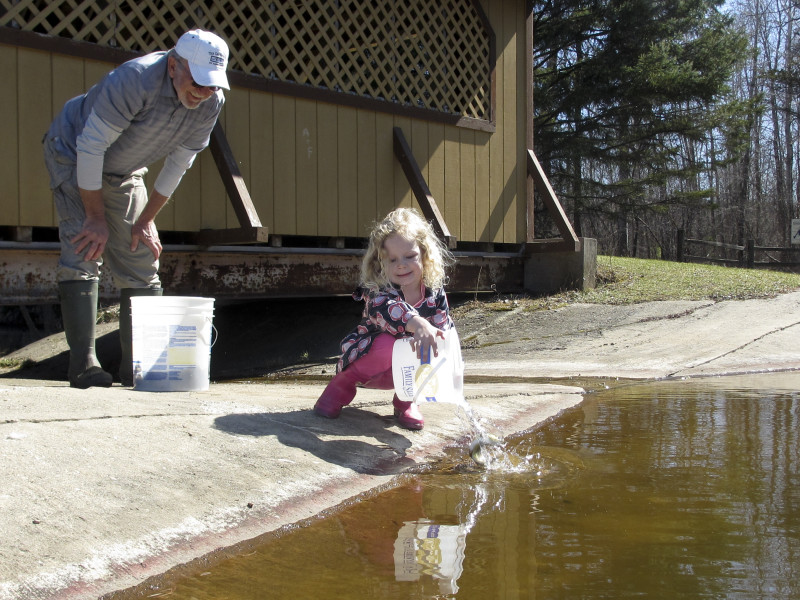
{"x": 245, "y": 272}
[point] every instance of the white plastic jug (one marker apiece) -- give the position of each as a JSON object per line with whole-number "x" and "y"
{"x": 429, "y": 379}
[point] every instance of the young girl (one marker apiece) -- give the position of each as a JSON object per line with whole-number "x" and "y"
{"x": 402, "y": 275}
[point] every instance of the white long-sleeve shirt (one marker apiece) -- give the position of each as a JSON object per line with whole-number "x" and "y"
{"x": 131, "y": 119}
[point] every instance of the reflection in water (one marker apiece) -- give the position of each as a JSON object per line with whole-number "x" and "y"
{"x": 662, "y": 490}
{"x": 429, "y": 549}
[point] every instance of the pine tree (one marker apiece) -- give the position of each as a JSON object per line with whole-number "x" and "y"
{"x": 624, "y": 89}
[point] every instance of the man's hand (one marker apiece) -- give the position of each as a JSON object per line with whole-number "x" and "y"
{"x": 144, "y": 230}
{"x": 94, "y": 234}
{"x": 146, "y": 233}
{"x": 92, "y": 238}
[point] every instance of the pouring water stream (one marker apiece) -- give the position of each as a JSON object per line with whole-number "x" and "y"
{"x": 441, "y": 379}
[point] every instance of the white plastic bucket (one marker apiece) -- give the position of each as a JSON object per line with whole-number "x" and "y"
{"x": 429, "y": 379}
{"x": 171, "y": 343}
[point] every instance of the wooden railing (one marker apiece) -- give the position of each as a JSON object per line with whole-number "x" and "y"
{"x": 748, "y": 256}
{"x": 569, "y": 240}
{"x": 419, "y": 187}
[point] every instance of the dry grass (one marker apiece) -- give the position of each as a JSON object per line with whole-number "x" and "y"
{"x": 632, "y": 280}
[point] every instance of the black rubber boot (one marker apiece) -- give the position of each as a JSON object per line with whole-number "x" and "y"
{"x": 126, "y": 330}
{"x": 79, "y": 315}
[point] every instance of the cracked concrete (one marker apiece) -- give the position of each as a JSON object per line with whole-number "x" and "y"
{"x": 104, "y": 488}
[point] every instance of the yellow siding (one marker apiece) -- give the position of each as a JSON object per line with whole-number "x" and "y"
{"x": 417, "y": 136}
{"x": 510, "y": 126}
{"x": 385, "y": 166}
{"x": 347, "y": 125}
{"x": 494, "y": 227}
{"x": 9, "y": 154}
{"x": 35, "y": 200}
{"x": 435, "y": 164}
{"x": 312, "y": 168}
{"x": 467, "y": 176}
{"x": 402, "y": 193}
{"x": 482, "y": 186}
{"x": 451, "y": 209}
{"x": 237, "y": 129}
{"x": 284, "y": 220}
{"x": 519, "y": 204}
{"x": 367, "y": 167}
{"x": 328, "y": 170}
{"x": 306, "y": 160}
{"x": 262, "y": 157}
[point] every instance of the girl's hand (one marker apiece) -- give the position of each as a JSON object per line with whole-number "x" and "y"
{"x": 425, "y": 336}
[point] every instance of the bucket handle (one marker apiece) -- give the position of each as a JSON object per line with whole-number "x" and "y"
{"x": 215, "y": 333}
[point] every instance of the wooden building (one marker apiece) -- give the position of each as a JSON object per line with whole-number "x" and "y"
{"x": 339, "y": 111}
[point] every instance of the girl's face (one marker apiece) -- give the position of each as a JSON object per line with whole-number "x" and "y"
{"x": 403, "y": 262}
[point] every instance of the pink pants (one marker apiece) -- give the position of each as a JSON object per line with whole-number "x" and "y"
{"x": 374, "y": 369}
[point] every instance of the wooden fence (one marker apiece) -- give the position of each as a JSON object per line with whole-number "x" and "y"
{"x": 748, "y": 256}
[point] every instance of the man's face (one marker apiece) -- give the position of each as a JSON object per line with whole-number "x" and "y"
{"x": 189, "y": 93}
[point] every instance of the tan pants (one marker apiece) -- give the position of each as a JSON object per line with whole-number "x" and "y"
{"x": 124, "y": 199}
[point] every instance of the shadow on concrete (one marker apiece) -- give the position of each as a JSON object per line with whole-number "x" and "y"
{"x": 53, "y": 366}
{"x": 340, "y": 442}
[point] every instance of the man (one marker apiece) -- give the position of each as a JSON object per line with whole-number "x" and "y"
{"x": 97, "y": 150}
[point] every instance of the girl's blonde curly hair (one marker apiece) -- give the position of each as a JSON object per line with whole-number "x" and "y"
{"x": 408, "y": 224}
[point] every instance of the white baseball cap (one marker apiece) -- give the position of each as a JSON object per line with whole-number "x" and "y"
{"x": 207, "y": 55}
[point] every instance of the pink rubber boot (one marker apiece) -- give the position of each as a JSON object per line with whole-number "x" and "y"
{"x": 408, "y": 414}
{"x": 373, "y": 370}
{"x": 339, "y": 392}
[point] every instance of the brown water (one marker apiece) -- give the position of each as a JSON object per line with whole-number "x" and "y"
{"x": 685, "y": 489}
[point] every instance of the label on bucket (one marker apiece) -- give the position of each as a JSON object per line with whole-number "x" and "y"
{"x": 430, "y": 378}
{"x": 171, "y": 345}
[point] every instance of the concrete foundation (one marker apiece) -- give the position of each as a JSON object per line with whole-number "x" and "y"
{"x": 550, "y": 272}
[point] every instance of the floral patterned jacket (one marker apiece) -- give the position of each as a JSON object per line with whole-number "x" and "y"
{"x": 386, "y": 311}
